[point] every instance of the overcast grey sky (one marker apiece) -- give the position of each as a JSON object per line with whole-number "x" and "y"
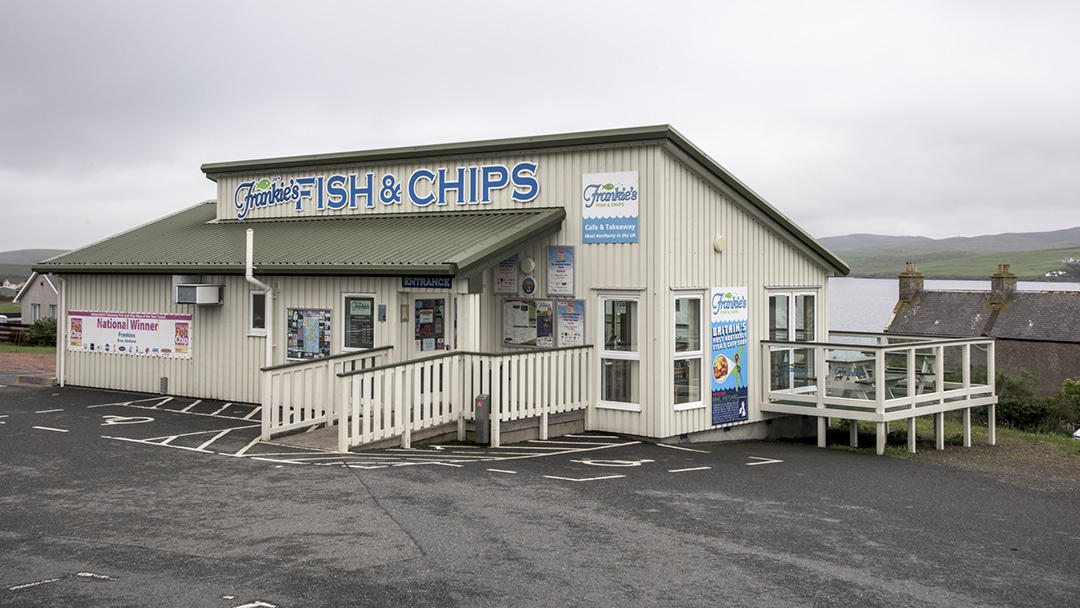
{"x": 937, "y": 118}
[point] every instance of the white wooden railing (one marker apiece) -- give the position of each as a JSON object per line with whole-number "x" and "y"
{"x": 394, "y": 401}
{"x": 302, "y": 394}
{"x": 878, "y": 377}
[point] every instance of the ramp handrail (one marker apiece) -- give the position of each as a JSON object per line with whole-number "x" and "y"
{"x": 302, "y": 393}
{"x": 398, "y": 399}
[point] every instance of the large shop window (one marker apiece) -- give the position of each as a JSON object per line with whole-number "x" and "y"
{"x": 792, "y": 317}
{"x": 620, "y": 358}
{"x": 688, "y": 353}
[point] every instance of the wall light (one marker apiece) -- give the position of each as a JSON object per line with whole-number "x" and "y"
{"x": 719, "y": 243}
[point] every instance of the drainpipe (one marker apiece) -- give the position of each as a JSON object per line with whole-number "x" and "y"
{"x": 62, "y": 338}
{"x": 248, "y": 275}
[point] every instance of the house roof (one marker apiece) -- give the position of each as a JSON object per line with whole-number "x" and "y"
{"x": 607, "y": 138}
{"x": 1026, "y": 315}
{"x": 30, "y": 283}
{"x": 192, "y": 241}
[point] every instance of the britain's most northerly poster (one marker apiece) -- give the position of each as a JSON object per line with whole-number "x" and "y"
{"x": 729, "y": 337}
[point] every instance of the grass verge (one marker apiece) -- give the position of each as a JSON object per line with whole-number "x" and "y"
{"x": 43, "y": 350}
{"x": 896, "y": 441}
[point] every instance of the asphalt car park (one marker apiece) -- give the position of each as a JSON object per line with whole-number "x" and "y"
{"x": 140, "y": 500}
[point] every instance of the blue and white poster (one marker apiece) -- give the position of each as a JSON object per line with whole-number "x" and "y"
{"x": 609, "y": 207}
{"x": 729, "y": 338}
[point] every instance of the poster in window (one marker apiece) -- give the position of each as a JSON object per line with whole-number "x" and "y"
{"x": 308, "y": 333}
{"x": 359, "y": 322}
{"x": 429, "y": 328}
{"x": 729, "y": 337}
{"x": 560, "y": 271}
{"x": 506, "y": 275}
{"x": 570, "y": 321}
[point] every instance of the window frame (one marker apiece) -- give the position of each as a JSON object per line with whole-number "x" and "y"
{"x": 792, "y": 355}
{"x": 689, "y": 355}
{"x": 633, "y": 356}
{"x": 252, "y": 330}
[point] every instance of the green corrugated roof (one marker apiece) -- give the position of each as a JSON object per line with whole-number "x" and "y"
{"x": 435, "y": 244}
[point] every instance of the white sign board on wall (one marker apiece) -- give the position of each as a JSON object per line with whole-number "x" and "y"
{"x": 130, "y": 333}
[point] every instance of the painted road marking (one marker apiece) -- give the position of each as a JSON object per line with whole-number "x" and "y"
{"x": 46, "y": 428}
{"x": 59, "y": 409}
{"x": 111, "y": 420}
{"x": 584, "y": 479}
{"x": 503, "y": 471}
{"x": 763, "y": 461}
{"x": 688, "y": 470}
{"x": 613, "y": 463}
{"x": 223, "y": 408}
{"x": 679, "y": 447}
{"x": 28, "y": 585}
{"x": 193, "y": 404}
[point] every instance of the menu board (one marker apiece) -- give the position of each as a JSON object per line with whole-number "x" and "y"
{"x": 543, "y": 323}
{"x": 359, "y": 322}
{"x": 308, "y": 333}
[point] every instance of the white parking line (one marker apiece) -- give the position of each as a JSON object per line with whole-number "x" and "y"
{"x": 584, "y": 479}
{"x": 679, "y": 447}
{"x": 193, "y": 404}
{"x": 213, "y": 439}
{"x": 688, "y": 470}
{"x": 59, "y": 409}
{"x": 223, "y": 408}
{"x": 46, "y": 428}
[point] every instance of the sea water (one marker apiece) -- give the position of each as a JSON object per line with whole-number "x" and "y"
{"x": 867, "y": 304}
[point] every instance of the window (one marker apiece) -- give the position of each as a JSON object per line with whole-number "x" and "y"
{"x": 429, "y": 328}
{"x": 792, "y": 318}
{"x": 688, "y": 353}
{"x": 52, "y": 311}
{"x": 35, "y": 312}
{"x": 619, "y": 356}
{"x": 257, "y": 314}
{"x": 359, "y": 326}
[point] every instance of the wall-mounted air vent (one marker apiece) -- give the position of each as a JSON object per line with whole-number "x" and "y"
{"x": 202, "y": 295}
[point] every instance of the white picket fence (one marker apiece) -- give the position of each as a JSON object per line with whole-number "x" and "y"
{"x": 394, "y": 401}
{"x": 302, "y": 394}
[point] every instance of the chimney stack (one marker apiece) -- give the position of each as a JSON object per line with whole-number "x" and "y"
{"x": 911, "y": 282}
{"x": 1002, "y": 284}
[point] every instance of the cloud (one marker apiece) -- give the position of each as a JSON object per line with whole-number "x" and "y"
{"x": 916, "y": 118}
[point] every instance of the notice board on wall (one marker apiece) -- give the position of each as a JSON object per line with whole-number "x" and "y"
{"x": 308, "y": 333}
{"x": 543, "y": 323}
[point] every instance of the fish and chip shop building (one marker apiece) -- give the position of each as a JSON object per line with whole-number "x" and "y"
{"x": 619, "y": 281}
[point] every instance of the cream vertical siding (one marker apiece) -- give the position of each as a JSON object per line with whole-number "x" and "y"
{"x": 225, "y": 359}
{"x": 682, "y": 207}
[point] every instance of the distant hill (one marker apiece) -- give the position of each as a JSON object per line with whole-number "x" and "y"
{"x": 1012, "y": 241}
{"x": 1030, "y": 255}
{"x": 15, "y": 265}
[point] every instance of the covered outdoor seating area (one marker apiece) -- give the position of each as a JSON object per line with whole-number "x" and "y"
{"x": 881, "y": 378}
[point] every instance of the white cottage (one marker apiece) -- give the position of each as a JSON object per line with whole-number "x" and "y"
{"x": 616, "y": 280}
